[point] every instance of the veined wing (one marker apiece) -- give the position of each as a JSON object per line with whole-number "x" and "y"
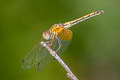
{"x": 37, "y": 54}
{"x": 41, "y": 57}
{"x": 48, "y": 58}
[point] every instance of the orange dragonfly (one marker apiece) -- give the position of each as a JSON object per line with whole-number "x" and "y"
{"x": 57, "y": 38}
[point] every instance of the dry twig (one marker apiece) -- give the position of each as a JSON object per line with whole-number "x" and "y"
{"x": 54, "y": 54}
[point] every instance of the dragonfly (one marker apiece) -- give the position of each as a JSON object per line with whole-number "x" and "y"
{"x": 57, "y": 37}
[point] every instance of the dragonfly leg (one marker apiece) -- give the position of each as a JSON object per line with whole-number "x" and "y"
{"x": 47, "y": 42}
{"x": 60, "y": 44}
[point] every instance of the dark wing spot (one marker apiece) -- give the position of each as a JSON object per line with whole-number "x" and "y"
{"x": 23, "y": 61}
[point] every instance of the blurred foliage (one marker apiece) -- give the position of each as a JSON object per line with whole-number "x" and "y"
{"x": 94, "y": 52}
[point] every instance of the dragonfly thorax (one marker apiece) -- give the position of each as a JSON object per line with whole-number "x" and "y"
{"x": 52, "y": 32}
{"x": 57, "y": 30}
{"x": 61, "y": 32}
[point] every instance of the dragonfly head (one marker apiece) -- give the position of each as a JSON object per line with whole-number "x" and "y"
{"x": 46, "y": 35}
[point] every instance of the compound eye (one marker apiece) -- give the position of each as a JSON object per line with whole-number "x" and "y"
{"x": 46, "y": 35}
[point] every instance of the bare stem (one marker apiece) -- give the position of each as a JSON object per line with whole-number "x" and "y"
{"x": 54, "y": 54}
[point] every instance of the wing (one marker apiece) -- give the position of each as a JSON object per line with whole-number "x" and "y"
{"x": 34, "y": 56}
{"x": 41, "y": 57}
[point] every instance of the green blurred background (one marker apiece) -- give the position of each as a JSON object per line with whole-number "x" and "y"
{"x": 93, "y": 54}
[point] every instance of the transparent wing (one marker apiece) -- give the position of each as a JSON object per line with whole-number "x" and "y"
{"x": 37, "y": 54}
{"x": 65, "y": 44}
{"x": 48, "y": 58}
{"x": 41, "y": 57}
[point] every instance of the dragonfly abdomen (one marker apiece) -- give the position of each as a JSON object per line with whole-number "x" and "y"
{"x": 71, "y": 23}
